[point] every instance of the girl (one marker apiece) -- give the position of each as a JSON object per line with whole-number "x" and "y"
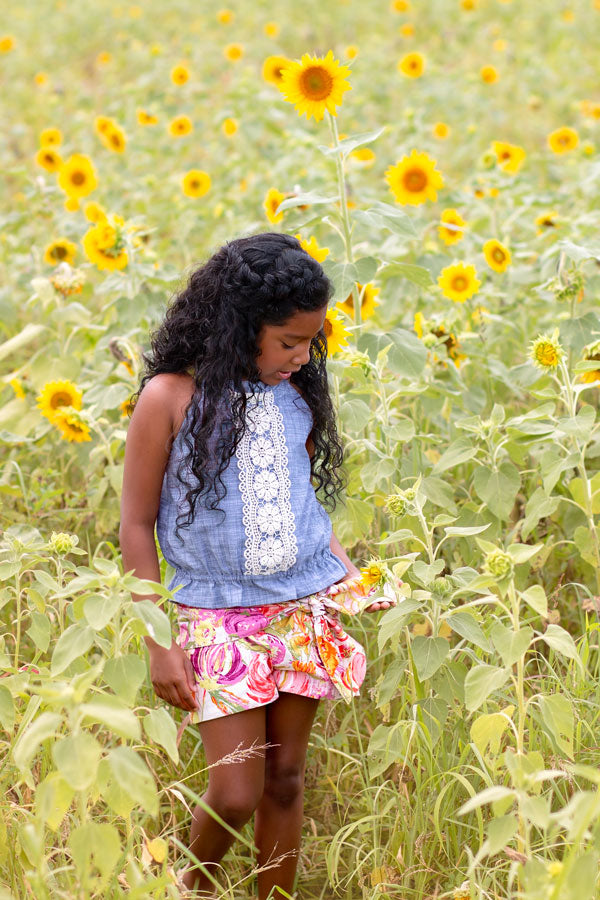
{"x": 232, "y": 416}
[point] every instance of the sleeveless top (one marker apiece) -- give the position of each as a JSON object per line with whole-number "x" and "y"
{"x": 273, "y": 543}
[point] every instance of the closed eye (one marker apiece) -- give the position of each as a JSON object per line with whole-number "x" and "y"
{"x": 287, "y": 346}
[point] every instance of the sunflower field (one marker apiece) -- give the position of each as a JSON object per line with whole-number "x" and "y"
{"x": 441, "y": 159}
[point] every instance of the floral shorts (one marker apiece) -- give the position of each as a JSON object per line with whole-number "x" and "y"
{"x": 244, "y": 656}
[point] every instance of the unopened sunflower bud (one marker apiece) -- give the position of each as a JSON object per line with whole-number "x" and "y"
{"x": 410, "y": 495}
{"x": 62, "y": 543}
{"x": 499, "y": 564}
{"x": 546, "y": 352}
{"x": 396, "y": 504}
{"x": 442, "y": 587}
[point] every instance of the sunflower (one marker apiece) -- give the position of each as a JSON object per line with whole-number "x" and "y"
{"x": 17, "y": 388}
{"x": 546, "y": 220}
{"x": 459, "y": 282}
{"x": 77, "y": 176}
{"x": 225, "y": 16}
{"x": 180, "y": 126}
{"x": 272, "y": 70}
{"x": 436, "y": 333}
{"x": 412, "y": 65}
{"x": 364, "y": 155}
{"x": 233, "y": 52}
{"x": 351, "y": 51}
{"x": 509, "y": 157}
{"x": 126, "y": 407}
{"x": 400, "y": 6}
{"x": 51, "y": 137}
{"x": 94, "y": 212}
{"x": 114, "y": 139}
{"x": 104, "y": 244}
{"x": 367, "y": 294}
{"x": 180, "y": 74}
{"x": 407, "y": 30}
{"x": 59, "y": 251}
{"x": 103, "y": 59}
{"x": 102, "y": 124}
{"x": 146, "y": 118}
{"x": 546, "y": 352}
{"x": 312, "y": 248}
{"x": 315, "y": 84}
{"x": 48, "y": 159}
{"x": 272, "y": 200}
{"x": 229, "y": 127}
{"x": 7, "y": 43}
{"x": 372, "y": 574}
{"x": 441, "y": 131}
{"x": 452, "y": 228}
{"x": 72, "y": 427}
{"x": 489, "y": 74}
{"x": 335, "y": 332}
{"x": 195, "y": 183}
{"x": 591, "y": 354}
{"x": 414, "y": 179}
{"x": 41, "y": 78}
{"x": 271, "y": 29}
{"x": 497, "y": 256}
{"x": 56, "y": 394}
{"x": 563, "y": 139}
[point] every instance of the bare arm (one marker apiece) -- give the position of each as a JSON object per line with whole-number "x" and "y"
{"x": 146, "y": 455}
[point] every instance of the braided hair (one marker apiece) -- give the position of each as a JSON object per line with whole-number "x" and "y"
{"x": 212, "y": 328}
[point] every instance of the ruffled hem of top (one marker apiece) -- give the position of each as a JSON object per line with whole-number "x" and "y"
{"x": 222, "y": 592}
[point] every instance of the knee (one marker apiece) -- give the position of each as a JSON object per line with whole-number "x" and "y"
{"x": 284, "y": 785}
{"x": 236, "y": 804}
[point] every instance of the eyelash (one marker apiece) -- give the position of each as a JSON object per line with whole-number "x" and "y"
{"x": 287, "y": 346}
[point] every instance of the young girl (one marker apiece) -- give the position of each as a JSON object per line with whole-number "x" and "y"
{"x": 232, "y": 417}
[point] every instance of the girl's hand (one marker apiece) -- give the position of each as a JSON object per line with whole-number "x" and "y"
{"x": 173, "y": 676}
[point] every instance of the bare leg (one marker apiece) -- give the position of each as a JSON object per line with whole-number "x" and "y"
{"x": 278, "y": 821}
{"x": 234, "y": 789}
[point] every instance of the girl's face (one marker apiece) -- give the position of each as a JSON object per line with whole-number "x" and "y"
{"x": 284, "y": 349}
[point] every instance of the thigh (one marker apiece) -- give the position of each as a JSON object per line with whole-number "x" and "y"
{"x": 289, "y": 722}
{"x": 237, "y": 740}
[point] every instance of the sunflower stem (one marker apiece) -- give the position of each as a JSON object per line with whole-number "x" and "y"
{"x": 339, "y": 166}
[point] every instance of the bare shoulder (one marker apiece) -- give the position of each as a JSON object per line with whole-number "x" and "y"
{"x": 165, "y": 399}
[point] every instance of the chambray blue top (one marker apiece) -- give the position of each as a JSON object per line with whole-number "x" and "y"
{"x": 273, "y": 543}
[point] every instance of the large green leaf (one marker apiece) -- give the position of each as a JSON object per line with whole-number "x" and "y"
{"x": 77, "y": 757}
{"x": 160, "y": 728}
{"x": 73, "y": 643}
{"x": 497, "y": 488}
{"x": 134, "y": 777}
{"x": 428, "y": 654}
{"x": 481, "y": 681}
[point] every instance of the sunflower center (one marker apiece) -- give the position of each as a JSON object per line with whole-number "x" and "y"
{"x": 115, "y": 140}
{"x": 505, "y": 154}
{"x": 59, "y": 252}
{"x": 415, "y": 180}
{"x": 78, "y": 177}
{"x": 316, "y": 83}
{"x": 60, "y": 399}
{"x": 498, "y": 255}
{"x": 459, "y": 283}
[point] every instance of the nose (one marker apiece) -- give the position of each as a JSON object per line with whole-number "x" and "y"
{"x": 301, "y": 357}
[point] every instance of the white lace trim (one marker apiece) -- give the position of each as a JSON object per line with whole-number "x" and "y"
{"x": 264, "y": 481}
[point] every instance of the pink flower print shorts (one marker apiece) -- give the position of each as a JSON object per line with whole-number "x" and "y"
{"x": 244, "y": 656}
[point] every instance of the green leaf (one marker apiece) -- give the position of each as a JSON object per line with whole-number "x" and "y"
{"x": 113, "y": 713}
{"x": 366, "y": 269}
{"x": 387, "y": 744}
{"x": 511, "y": 645}
{"x": 487, "y": 730}
{"x": 39, "y": 631}
{"x": 156, "y": 622}
{"x": 577, "y": 492}
{"x": 28, "y": 334}
{"x": 457, "y": 452}
{"x": 160, "y": 728}
{"x": 576, "y": 333}
{"x": 408, "y": 355}
{"x": 95, "y": 846}
{"x": 125, "y": 674}
{"x": 73, "y": 643}
{"x": 481, "y": 681}
{"x": 557, "y": 713}
{"x": 579, "y": 426}
{"x": 500, "y": 831}
{"x": 354, "y": 414}
{"x": 535, "y": 597}
{"x": 416, "y": 274}
{"x": 134, "y": 777}
{"x": 7, "y": 708}
{"x": 393, "y": 675}
{"x": 488, "y": 795}
{"x": 538, "y": 507}
{"x": 53, "y": 798}
{"x": 393, "y": 621}
{"x": 561, "y": 642}
{"x": 466, "y": 625}
{"x": 577, "y": 252}
{"x": 347, "y": 145}
{"x": 466, "y": 531}
{"x": 520, "y": 553}
{"x": 99, "y": 609}
{"x": 77, "y": 757}
{"x": 439, "y": 492}
{"x": 428, "y": 654}
{"x": 28, "y": 741}
{"x": 498, "y": 487}
{"x": 310, "y": 198}
{"x": 426, "y": 572}
{"x": 584, "y": 542}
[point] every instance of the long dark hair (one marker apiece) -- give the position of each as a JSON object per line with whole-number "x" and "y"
{"x": 211, "y": 329}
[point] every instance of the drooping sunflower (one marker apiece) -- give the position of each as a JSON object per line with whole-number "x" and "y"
{"x": 77, "y": 176}
{"x": 414, "y": 179}
{"x": 489, "y": 74}
{"x": 497, "y": 256}
{"x": 412, "y": 65}
{"x": 180, "y": 74}
{"x": 315, "y": 84}
{"x": 146, "y": 118}
{"x": 367, "y": 296}
{"x": 273, "y": 67}
{"x": 180, "y": 126}
{"x": 56, "y": 394}
{"x": 335, "y": 332}
{"x": 48, "y": 159}
{"x": 94, "y": 212}
{"x": 104, "y": 244}
{"x": 51, "y": 137}
{"x": 452, "y": 229}
{"x": 102, "y": 124}
{"x": 510, "y": 157}
{"x": 196, "y": 183}
{"x": 233, "y": 52}
{"x": 546, "y": 352}
{"x": 459, "y": 281}
{"x": 114, "y": 139}
{"x": 272, "y": 200}
{"x": 59, "y": 251}
{"x": 546, "y": 220}
{"x": 229, "y": 127}
{"x": 72, "y": 427}
{"x": 563, "y": 139}
{"x": 312, "y": 248}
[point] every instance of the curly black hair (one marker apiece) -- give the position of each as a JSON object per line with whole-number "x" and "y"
{"x": 211, "y": 329}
